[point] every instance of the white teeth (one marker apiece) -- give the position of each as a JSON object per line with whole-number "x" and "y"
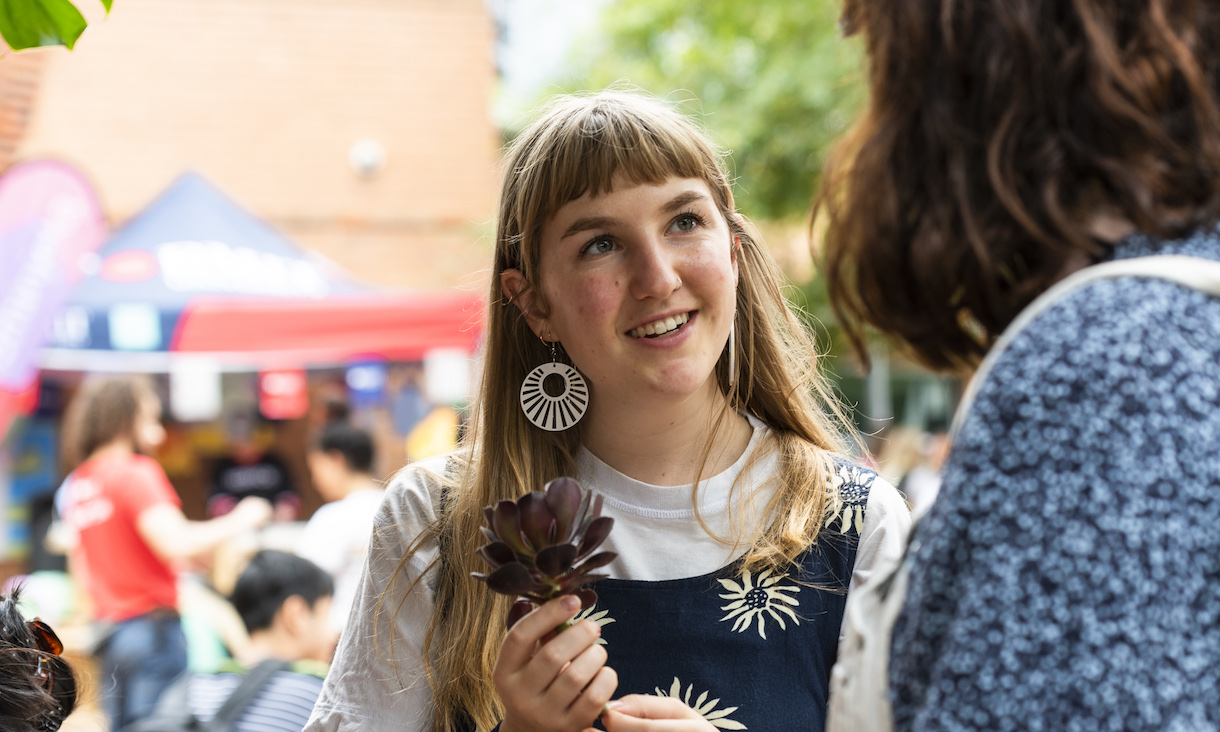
{"x": 661, "y": 327}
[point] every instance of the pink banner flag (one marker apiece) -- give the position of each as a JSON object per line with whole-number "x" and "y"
{"x": 50, "y": 226}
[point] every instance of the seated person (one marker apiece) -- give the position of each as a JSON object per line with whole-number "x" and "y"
{"x": 37, "y": 687}
{"x": 284, "y": 601}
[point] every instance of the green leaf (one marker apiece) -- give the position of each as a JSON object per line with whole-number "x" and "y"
{"x": 33, "y": 23}
{"x": 107, "y": 4}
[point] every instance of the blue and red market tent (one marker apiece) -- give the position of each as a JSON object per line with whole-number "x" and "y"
{"x": 195, "y": 274}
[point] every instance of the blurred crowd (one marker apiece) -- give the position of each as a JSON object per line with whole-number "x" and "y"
{"x": 171, "y": 616}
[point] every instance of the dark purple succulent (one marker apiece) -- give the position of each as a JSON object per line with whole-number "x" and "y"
{"x": 541, "y": 546}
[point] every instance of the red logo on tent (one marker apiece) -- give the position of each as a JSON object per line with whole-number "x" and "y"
{"x": 133, "y": 265}
{"x": 283, "y": 394}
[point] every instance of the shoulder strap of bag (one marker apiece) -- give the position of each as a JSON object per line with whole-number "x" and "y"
{"x": 245, "y": 693}
{"x": 1193, "y": 272}
{"x": 859, "y": 682}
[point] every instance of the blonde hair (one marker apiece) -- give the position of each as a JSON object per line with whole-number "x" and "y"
{"x": 578, "y": 147}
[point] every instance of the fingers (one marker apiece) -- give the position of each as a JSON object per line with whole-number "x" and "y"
{"x": 553, "y": 682}
{"x": 520, "y": 642}
{"x": 633, "y": 711}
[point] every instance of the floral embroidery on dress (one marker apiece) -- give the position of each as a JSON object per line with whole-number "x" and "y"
{"x": 601, "y": 618}
{"x": 849, "y": 496}
{"x": 707, "y": 709}
{"x": 751, "y": 600}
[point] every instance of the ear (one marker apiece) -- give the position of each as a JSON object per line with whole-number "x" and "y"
{"x": 293, "y": 615}
{"x": 735, "y": 250}
{"x": 518, "y": 291}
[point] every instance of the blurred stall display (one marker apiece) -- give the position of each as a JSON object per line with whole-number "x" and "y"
{"x": 283, "y": 394}
{"x": 366, "y": 383}
{"x": 447, "y": 375}
{"x": 50, "y": 222}
{"x": 194, "y": 273}
{"x": 194, "y": 390}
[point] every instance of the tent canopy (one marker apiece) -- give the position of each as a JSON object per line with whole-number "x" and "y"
{"x": 195, "y": 274}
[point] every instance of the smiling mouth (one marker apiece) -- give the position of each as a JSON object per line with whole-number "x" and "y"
{"x": 660, "y": 327}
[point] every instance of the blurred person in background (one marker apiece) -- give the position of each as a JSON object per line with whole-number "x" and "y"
{"x": 1065, "y": 577}
{"x": 126, "y": 532}
{"x": 249, "y": 470}
{"x": 336, "y": 537}
{"x": 37, "y": 687}
{"x": 912, "y": 460}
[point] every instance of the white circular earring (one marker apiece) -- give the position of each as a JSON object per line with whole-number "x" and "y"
{"x": 559, "y": 412}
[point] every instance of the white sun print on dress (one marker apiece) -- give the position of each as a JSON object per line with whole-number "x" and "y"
{"x": 848, "y": 498}
{"x": 601, "y": 618}
{"x": 707, "y": 709}
{"x": 751, "y": 600}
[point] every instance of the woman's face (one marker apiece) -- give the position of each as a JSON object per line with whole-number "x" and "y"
{"x": 640, "y": 283}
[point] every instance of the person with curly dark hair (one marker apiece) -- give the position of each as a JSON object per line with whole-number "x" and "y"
{"x": 37, "y": 687}
{"x": 1065, "y": 578}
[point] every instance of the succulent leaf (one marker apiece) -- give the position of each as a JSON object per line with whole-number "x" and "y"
{"x": 507, "y": 524}
{"x": 554, "y": 561}
{"x": 597, "y": 561}
{"x": 573, "y": 584}
{"x": 519, "y": 610}
{"x": 497, "y": 554}
{"x": 594, "y": 535}
{"x": 588, "y": 598}
{"x": 537, "y": 523}
{"x": 511, "y": 579}
{"x": 563, "y": 498}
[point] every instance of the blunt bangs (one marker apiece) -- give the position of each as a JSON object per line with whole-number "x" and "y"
{"x": 582, "y": 144}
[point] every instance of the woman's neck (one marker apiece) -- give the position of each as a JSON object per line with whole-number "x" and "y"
{"x": 665, "y": 443}
{"x": 117, "y": 446}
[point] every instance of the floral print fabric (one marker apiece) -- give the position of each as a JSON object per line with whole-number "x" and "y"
{"x": 747, "y": 650}
{"x": 1068, "y": 576}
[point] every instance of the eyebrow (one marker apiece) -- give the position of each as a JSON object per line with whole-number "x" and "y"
{"x": 678, "y": 202}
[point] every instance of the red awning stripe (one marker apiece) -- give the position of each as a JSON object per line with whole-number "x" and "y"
{"x": 394, "y": 326}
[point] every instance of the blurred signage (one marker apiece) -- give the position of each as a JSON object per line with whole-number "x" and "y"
{"x": 214, "y": 266}
{"x": 194, "y": 390}
{"x": 366, "y": 383}
{"x": 447, "y": 375}
{"x": 283, "y": 394}
{"x": 50, "y": 222}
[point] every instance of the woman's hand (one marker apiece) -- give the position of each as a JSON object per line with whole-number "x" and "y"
{"x": 552, "y": 684}
{"x": 644, "y": 713}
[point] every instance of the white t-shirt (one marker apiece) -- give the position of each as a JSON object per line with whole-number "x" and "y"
{"x": 656, "y": 535}
{"x": 336, "y": 538}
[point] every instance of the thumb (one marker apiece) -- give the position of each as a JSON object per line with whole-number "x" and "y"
{"x": 646, "y": 706}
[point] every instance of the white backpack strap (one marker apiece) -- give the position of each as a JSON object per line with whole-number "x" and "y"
{"x": 1193, "y": 272}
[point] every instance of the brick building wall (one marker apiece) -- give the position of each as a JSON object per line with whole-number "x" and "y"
{"x": 266, "y": 98}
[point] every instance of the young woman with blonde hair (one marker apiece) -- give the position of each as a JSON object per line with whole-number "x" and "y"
{"x": 622, "y": 264}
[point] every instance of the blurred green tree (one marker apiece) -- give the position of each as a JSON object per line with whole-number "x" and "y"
{"x": 774, "y": 81}
{"x": 33, "y": 23}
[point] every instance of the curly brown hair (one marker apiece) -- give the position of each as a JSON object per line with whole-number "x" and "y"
{"x": 998, "y": 135}
{"x": 105, "y": 407}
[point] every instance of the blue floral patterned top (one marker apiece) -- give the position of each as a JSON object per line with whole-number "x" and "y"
{"x": 1068, "y": 576}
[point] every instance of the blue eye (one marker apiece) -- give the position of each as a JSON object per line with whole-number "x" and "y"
{"x": 599, "y": 245}
{"x": 686, "y": 222}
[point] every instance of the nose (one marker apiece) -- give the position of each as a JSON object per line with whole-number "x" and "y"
{"x": 654, "y": 270}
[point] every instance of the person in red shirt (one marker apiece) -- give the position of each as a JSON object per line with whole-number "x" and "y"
{"x": 128, "y": 533}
